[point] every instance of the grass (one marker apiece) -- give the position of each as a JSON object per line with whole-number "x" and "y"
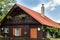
{"x": 50, "y": 37}
{"x": 54, "y": 38}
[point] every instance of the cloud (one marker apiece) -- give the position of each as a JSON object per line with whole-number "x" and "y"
{"x": 56, "y": 2}
{"x": 37, "y": 8}
{"x": 51, "y": 5}
{"x": 58, "y": 20}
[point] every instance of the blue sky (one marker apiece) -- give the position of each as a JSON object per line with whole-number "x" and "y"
{"x": 52, "y": 7}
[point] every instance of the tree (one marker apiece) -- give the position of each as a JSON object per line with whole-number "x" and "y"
{"x": 0, "y": 8}
{"x": 5, "y": 6}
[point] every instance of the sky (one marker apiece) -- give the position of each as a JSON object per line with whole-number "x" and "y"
{"x": 52, "y": 7}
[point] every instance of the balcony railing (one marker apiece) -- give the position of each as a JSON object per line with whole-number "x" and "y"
{"x": 17, "y": 20}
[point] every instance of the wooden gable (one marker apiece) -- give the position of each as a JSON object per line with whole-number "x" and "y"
{"x": 18, "y": 16}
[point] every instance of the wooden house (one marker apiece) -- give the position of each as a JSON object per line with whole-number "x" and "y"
{"x": 23, "y": 22}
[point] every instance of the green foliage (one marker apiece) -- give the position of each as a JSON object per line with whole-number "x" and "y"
{"x": 9, "y": 17}
{"x": 51, "y": 29}
{"x": 1, "y": 8}
{"x": 1, "y": 17}
{"x": 22, "y": 39}
{"x": 1, "y": 36}
{"x": 22, "y": 15}
{"x": 1, "y": 3}
{"x": 5, "y": 6}
{"x": 25, "y": 33}
{"x": 54, "y": 38}
{"x": 44, "y": 28}
{"x": 58, "y": 33}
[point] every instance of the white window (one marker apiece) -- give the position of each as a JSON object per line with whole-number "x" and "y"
{"x": 16, "y": 31}
{"x": 6, "y": 30}
{"x": 2, "y": 29}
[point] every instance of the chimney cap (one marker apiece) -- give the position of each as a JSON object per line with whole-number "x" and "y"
{"x": 42, "y": 4}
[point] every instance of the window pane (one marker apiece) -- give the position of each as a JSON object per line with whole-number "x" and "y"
{"x": 16, "y": 31}
{"x": 6, "y": 30}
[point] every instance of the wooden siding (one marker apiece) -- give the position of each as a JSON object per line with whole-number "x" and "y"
{"x": 14, "y": 31}
{"x": 17, "y": 20}
{"x": 20, "y": 32}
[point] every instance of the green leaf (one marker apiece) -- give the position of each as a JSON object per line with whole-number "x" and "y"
{"x": 22, "y": 15}
{"x": 0, "y": 3}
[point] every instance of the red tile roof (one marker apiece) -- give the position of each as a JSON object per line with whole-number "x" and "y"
{"x": 44, "y": 20}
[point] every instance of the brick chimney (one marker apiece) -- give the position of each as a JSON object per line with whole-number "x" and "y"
{"x": 42, "y": 9}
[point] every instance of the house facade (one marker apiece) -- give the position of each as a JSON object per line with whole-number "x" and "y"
{"x": 23, "y": 22}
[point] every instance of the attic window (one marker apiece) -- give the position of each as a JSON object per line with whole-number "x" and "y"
{"x": 22, "y": 15}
